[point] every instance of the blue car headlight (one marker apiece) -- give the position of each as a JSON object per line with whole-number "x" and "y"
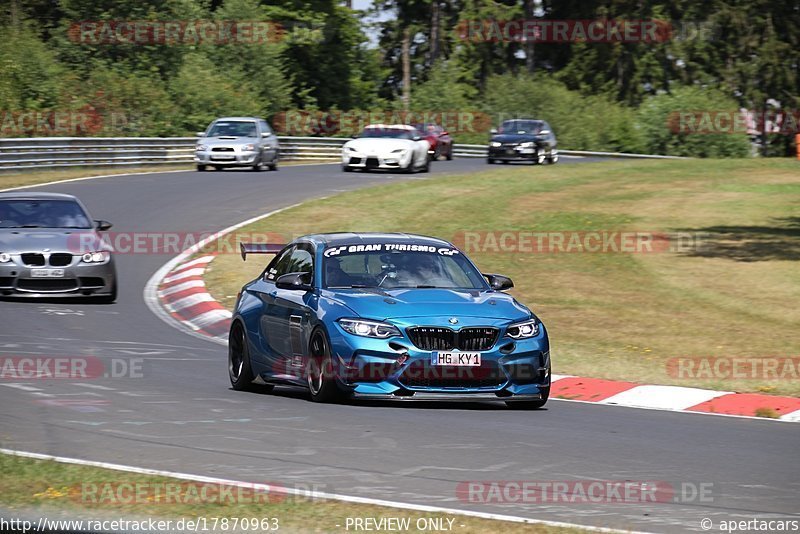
{"x": 524, "y": 330}
{"x": 366, "y": 328}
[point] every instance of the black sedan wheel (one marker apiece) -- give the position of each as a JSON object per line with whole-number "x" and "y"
{"x": 319, "y": 372}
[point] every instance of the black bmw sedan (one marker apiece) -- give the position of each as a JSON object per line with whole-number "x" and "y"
{"x": 523, "y": 140}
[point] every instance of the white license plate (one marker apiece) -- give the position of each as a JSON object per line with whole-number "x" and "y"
{"x": 47, "y": 273}
{"x": 462, "y": 359}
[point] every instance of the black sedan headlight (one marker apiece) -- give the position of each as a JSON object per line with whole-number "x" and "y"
{"x": 524, "y": 330}
{"x": 367, "y": 328}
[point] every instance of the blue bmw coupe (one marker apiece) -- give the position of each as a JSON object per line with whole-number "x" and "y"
{"x": 385, "y": 316}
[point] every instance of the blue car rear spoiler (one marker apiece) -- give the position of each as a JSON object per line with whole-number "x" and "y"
{"x": 260, "y": 248}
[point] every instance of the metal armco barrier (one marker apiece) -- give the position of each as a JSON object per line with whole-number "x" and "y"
{"x": 59, "y": 152}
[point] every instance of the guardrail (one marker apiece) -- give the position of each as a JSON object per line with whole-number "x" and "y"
{"x": 59, "y": 152}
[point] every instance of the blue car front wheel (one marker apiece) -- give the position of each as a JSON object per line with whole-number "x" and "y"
{"x": 319, "y": 373}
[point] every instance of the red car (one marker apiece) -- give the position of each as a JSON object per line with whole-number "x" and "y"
{"x": 440, "y": 141}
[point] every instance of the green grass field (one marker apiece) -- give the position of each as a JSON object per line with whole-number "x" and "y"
{"x": 619, "y": 316}
{"x": 35, "y": 488}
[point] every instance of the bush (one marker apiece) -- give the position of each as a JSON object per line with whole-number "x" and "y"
{"x": 580, "y": 123}
{"x": 658, "y": 118}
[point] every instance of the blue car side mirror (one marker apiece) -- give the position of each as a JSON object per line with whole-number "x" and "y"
{"x": 294, "y": 281}
{"x": 498, "y": 282}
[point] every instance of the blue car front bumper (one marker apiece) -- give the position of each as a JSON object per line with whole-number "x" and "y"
{"x": 396, "y": 368}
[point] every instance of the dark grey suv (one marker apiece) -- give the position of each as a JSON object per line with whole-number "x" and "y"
{"x": 523, "y": 140}
{"x": 237, "y": 142}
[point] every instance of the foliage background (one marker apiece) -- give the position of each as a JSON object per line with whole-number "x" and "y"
{"x": 597, "y": 96}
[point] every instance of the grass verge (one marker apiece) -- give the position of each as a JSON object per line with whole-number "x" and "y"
{"x": 36, "y": 488}
{"x": 621, "y": 316}
{"x": 33, "y": 177}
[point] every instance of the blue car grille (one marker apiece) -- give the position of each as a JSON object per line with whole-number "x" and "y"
{"x": 438, "y": 338}
{"x": 421, "y": 374}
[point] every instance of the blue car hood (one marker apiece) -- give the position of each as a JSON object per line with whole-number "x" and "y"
{"x": 402, "y": 303}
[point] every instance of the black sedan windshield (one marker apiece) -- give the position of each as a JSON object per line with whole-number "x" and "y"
{"x": 42, "y": 214}
{"x": 521, "y": 127}
{"x": 418, "y": 266}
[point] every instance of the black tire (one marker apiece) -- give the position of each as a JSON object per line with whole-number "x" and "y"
{"x": 258, "y": 166}
{"x": 217, "y": 167}
{"x": 450, "y": 154}
{"x": 408, "y": 169}
{"x": 553, "y": 157}
{"x": 319, "y": 370}
{"x": 273, "y": 166}
{"x": 201, "y": 168}
{"x": 490, "y": 161}
{"x": 427, "y": 166}
{"x": 111, "y": 297}
{"x": 530, "y": 405}
{"x": 239, "y": 370}
{"x": 347, "y": 168}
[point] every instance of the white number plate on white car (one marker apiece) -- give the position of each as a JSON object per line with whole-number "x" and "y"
{"x": 464, "y": 359}
{"x": 47, "y": 273}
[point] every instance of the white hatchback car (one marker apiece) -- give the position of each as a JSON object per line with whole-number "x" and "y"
{"x": 396, "y": 147}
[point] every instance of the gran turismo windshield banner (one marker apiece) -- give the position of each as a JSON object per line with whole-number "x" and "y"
{"x": 388, "y": 247}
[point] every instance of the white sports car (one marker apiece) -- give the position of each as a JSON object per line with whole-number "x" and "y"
{"x": 388, "y": 147}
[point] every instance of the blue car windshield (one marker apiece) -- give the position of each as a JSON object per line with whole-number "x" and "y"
{"x": 23, "y": 213}
{"x": 386, "y": 267}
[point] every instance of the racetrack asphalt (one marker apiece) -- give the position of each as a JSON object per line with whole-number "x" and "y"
{"x": 181, "y": 415}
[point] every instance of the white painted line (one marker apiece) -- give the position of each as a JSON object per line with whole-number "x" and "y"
{"x": 89, "y": 178}
{"x": 310, "y": 494}
{"x": 93, "y": 386}
{"x": 208, "y": 318}
{"x": 23, "y": 387}
{"x": 186, "y": 302}
{"x": 791, "y": 416}
{"x": 752, "y": 417}
{"x": 181, "y": 287}
{"x": 663, "y": 397}
{"x": 188, "y": 273}
{"x": 122, "y": 175}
